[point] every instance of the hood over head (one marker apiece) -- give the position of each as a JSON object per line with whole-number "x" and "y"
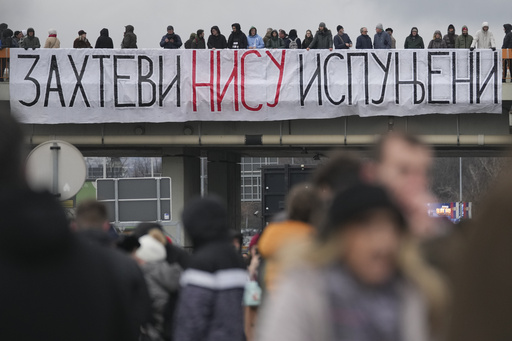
{"x": 216, "y": 28}
{"x": 255, "y": 31}
{"x": 3, "y": 26}
{"x": 7, "y": 33}
{"x": 104, "y": 32}
{"x": 485, "y": 23}
{"x": 192, "y": 36}
{"x": 508, "y": 28}
{"x": 465, "y": 28}
{"x": 205, "y": 220}
{"x": 238, "y": 28}
{"x": 36, "y": 227}
{"x": 450, "y": 26}
{"x": 129, "y": 28}
{"x": 30, "y": 29}
{"x": 272, "y": 35}
{"x": 438, "y": 32}
{"x": 415, "y": 29}
{"x": 170, "y": 27}
{"x": 293, "y": 34}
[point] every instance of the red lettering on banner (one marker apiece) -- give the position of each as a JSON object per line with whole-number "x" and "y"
{"x": 281, "y": 72}
{"x": 196, "y": 85}
{"x": 233, "y": 76}
{"x": 243, "y": 82}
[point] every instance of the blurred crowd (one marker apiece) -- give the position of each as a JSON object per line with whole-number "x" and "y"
{"x": 353, "y": 257}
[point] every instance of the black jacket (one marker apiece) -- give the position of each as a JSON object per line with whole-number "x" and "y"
{"x": 507, "y": 40}
{"x": 238, "y": 39}
{"x": 57, "y": 285}
{"x": 104, "y": 41}
{"x": 218, "y": 41}
{"x": 210, "y": 304}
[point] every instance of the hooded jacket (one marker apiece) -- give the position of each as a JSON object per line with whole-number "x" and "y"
{"x": 129, "y": 39}
{"x": 293, "y": 38}
{"x": 482, "y": 39}
{"x": 61, "y": 278}
{"x": 104, "y": 41}
{"x": 255, "y": 41}
{"x": 210, "y": 304}
{"x": 275, "y": 42}
{"x": 188, "y": 43}
{"x": 322, "y": 40}
{"x": 52, "y": 42}
{"x": 238, "y": 39}
{"x": 463, "y": 41}
{"x": 414, "y": 42}
{"x": 437, "y": 43}
{"x": 364, "y": 42}
{"x": 507, "y": 40}
{"x": 31, "y": 42}
{"x": 199, "y": 42}
{"x": 449, "y": 39}
{"x": 174, "y": 44}
{"x": 218, "y": 41}
{"x": 381, "y": 40}
{"x": 6, "y": 38}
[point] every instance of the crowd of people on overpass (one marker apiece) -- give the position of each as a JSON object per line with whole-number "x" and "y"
{"x": 353, "y": 256}
{"x": 272, "y": 39}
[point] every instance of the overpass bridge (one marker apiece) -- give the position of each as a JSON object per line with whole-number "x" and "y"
{"x": 180, "y": 144}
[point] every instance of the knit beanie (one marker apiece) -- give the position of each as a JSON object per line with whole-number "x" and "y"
{"x": 322, "y": 24}
{"x": 150, "y": 250}
{"x": 379, "y": 26}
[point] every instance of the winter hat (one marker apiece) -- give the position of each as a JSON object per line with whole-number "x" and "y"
{"x": 451, "y": 26}
{"x": 355, "y": 202}
{"x": 464, "y": 28}
{"x": 24, "y": 32}
{"x": 170, "y": 28}
{"x": 437, "y": 32}
{"x": 322, "y": 24}
{"x": 206, "y": 219}
{"x": 150, "y": 250}
{"x": 52, "y": 31}
{"x": 81, "y": 32}
{"x": 338, "y": 28}
{"x": 379, "y": 26}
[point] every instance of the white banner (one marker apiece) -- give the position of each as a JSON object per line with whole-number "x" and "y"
{"x": 99, "y": 86}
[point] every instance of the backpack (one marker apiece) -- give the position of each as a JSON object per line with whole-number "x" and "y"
{"x": 293, "y": 44}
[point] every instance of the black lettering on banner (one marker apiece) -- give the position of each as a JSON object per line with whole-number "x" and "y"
{"x": 146, "y": 79}
{"x": 456, "y": 80}
{"x": 31, "y": 79}
{"x": 54, "y": 68}
{"x": 414, "y": 82}
{"x": 78, "y": 81}
{"x": 102, "y": 78}
{"x": 492, "y": 72}
{"x": 176, "y": 80}
{"x": 349, "y": 66}
{"x": 116, "y": 78}
{"x": 317, "y": 75}
{"x": 434, "y": 72}
{"x": 326, "y": 79}
{"x": 384, "y": 68}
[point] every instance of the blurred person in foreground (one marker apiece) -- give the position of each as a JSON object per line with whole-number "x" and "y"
{"x": 210, "y": 303}
{"x": 482, "y": 304}
{"x": 354, "y": 282}
{"x": 162, "y": 280}
{"x": 56, "y": 286}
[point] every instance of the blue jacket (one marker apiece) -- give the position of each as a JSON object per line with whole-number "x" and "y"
{"x": 340, "y": 41}
{"x": 255, "y": 41}
{"x": 364, "y": 42}
{"x": 171, "y": 45}
{"x": 381, "y": 40}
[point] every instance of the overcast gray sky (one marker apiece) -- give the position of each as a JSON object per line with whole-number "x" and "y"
{"x": 151, "y": 17}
